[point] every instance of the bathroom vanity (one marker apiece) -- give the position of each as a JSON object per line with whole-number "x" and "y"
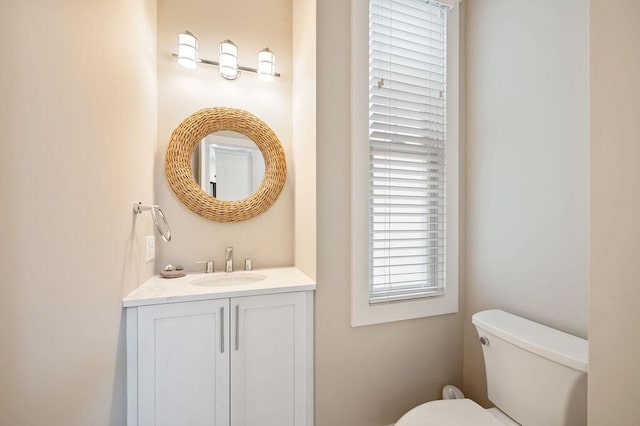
{"x": 222, "y": 349}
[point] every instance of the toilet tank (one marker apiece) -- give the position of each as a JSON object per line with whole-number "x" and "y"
{"x": 535, "y": 374}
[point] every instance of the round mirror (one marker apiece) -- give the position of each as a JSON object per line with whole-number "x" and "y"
{"x": 183, "y": 166}
{"x": 228, "y": 165}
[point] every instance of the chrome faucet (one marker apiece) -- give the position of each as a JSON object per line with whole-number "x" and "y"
{"x": 228, "y": 259}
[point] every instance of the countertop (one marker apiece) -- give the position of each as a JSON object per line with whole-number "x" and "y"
{"x": 157, "y": 290}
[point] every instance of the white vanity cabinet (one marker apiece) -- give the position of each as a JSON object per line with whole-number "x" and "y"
{"x": 183, "y": 364}
{"x": 235, "y": 361}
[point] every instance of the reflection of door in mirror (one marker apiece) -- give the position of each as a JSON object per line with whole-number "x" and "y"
{"x": 230, "y": 166}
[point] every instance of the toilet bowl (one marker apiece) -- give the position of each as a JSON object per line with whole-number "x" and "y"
{"x": 450, "y": 412}
{"x": 536, "y": 376}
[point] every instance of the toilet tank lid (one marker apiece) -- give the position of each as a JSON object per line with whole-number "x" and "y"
{"x": 541, "y": 340}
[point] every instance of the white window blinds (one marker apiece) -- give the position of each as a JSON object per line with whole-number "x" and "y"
{"x": 407, "y": 136}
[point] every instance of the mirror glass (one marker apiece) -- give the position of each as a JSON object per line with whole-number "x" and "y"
{"x": 227, "y": 165}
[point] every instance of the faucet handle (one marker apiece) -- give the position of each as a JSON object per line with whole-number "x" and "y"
{"x": 248, "y": 263}
{"x": 208, "y": 265}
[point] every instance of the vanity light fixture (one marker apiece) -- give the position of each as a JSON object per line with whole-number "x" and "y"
{"x": 187, "y": 50}
{"x": 227, "y": 62}
{"x": 228, "y": 67}
{"x": 266, "y": 65}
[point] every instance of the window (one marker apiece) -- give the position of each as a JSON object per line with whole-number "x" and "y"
{"x": 404, "y": 160}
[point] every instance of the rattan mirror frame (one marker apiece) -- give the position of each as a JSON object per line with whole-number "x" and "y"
{"x": 186, "y": 137}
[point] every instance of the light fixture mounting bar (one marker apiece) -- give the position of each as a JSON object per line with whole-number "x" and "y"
{"x": 215, "y": 63}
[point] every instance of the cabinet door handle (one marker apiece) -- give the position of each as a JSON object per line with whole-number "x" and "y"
{"x": 237, "y": 327}
{"x": 222, "y": 330}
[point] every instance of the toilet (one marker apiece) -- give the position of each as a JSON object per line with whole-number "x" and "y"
{"x": 536, "y": 376}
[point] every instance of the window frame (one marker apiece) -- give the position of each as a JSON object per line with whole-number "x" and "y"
{"x": 362, "y": 311}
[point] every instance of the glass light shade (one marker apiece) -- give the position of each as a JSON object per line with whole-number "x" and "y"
{"x": 228, "y": 67}
{"x": 266, "y": 65}
{"x": 187, "y": 50}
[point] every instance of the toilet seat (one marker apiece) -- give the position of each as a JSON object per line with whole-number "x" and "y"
{"x": 449, "y": 412}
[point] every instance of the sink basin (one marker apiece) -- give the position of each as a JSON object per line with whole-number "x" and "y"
{"x": 233, "y": 278}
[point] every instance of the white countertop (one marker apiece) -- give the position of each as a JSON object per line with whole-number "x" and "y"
{"x": 157, "y": 290}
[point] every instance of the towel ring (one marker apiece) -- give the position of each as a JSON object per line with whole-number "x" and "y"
{"x": 164, "y": 230}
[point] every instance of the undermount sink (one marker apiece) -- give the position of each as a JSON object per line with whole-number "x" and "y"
{"x": 232, "y": 278}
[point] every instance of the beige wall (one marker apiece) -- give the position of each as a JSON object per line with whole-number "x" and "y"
{"x": 252, "y": 25}
{"x": 365, "y": 376}
{"x": 78, "y": 120}
{"x": 527, "y": 176}
{"x": 304, "y": 133}
{"x": 614, "y": 230}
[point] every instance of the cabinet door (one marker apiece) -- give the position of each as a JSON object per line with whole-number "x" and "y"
{"x": 183, "y": 364}
{"x": 269, "y": 360}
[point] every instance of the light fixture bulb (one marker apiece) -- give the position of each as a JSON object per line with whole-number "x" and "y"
{"x": 228, "y": 67}
{"x": 187, "y": 50}
{"x": 266, "y": 65}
